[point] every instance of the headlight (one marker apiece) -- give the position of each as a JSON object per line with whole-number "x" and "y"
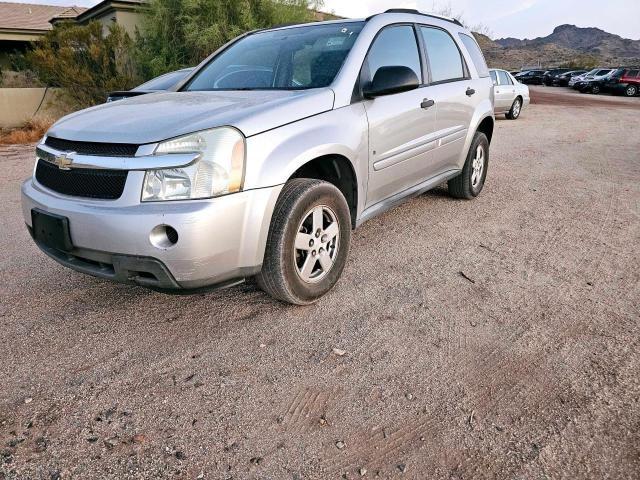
{"x": 218, "y": 170}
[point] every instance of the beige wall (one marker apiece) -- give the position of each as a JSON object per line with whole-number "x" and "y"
{"x": 126, "y": 19}
{"x": 18, "y": 105}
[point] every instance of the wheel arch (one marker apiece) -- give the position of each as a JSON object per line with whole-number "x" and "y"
{"x": 487, "y": 125}
{"x": 337, "y": 170}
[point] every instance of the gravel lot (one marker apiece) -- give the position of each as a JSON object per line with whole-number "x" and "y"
{"x": 496, "y": 338}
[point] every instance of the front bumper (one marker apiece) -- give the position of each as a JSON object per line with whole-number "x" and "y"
{"x": 219, "y": 240}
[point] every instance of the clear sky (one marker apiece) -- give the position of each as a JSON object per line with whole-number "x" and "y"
{"x": 504, "y": 18}
{"x": 516, "y": 18}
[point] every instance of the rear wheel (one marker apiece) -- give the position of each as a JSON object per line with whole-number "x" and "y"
{"x": 471, "y": 180}
{"x": 631, "y": 91}
{"x": 516, "y": 108}
{"x": 308, "y": 242}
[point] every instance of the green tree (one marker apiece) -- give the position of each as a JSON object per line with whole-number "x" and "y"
{"x": 180, "y": 33}
{"x": 83, "y": 62}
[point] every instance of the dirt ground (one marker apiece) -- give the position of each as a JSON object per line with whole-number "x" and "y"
{"x": 573, "y": 98}
{"x": 497, "y": 338}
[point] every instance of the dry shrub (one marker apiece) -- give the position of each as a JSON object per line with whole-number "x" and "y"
{"x": 84, "y": 62}
{"x": 22, "y": 79}
{"x": 30, "y": 132}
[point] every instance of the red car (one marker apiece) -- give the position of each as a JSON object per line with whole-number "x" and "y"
{"x": 625, "y": 81}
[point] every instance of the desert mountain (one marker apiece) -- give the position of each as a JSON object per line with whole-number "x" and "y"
{"x": 567, "y": 45}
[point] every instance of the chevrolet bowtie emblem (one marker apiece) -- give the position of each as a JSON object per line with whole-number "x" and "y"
{"x": 64, "y": 160}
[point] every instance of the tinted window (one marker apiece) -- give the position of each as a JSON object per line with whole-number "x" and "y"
{"x": 494, "y": 77}
{"x": 633, "y": 73}
{"x": 602, "y": 72}
{"x": 618, "y": 73}
{"x": 476, "y": 54}
{"x": 286, "y": 59}
{"x": 504, "y": 78}
{"x": 394, "y": 47}
{"x": 444, "y": 57}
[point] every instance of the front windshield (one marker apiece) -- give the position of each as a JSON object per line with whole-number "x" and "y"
{"x": 287, "y": 59}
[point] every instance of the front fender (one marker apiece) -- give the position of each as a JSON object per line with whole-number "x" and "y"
{"x": 273, "y": 156}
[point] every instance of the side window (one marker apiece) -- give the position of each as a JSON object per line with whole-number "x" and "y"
{"x": 476, "y": 54}
{"x": 444, "y": 57}
{"x": 504, "y": 78}
{"x": 633, "y": 73}
{"x": 494, "y": 77}
{"x": 395, "y": 47}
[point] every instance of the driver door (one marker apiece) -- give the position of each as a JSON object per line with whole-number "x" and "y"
{"x": 401, "y": 125}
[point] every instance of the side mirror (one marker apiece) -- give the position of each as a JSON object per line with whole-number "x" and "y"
{"x": 390, "y": 80}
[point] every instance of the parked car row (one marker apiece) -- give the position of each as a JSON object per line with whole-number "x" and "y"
{"x": 618, "y": 81}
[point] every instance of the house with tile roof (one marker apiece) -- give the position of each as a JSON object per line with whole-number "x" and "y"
{"x": 125, "y": 13}
{"x": 22, "y": 23}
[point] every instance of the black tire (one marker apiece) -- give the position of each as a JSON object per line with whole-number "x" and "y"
{"x": 514, "y": 113}
{"x": 279, "y": 276}
{"x": 461, "y": 186}
{"x": 595, "y": 89}
{"x": 631, "y": 91}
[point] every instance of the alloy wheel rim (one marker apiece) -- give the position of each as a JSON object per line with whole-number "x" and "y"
{"x": 516, "y": 108}
{"x": 477, "y": 167}
{"x": 631, "y": 91}
{"x": 316, "y": 244}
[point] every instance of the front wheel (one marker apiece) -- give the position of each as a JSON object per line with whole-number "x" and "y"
{"x": 595, "y": 89}
{"x": 471, "y": 180}
{"x": 516, "y": 108}
{"x": 631, "y": 91}
{"x": 308, "y": 242}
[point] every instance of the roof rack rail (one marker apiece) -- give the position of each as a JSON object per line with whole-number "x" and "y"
{"x": 413, "y": 11}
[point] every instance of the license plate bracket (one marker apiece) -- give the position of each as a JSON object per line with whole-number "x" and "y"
{"x": 51, "y": 230}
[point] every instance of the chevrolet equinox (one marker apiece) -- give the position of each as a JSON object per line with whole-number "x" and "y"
{"x": 265, "y": 157}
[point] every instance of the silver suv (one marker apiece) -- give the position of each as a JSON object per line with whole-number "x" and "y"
{"x": 262, "y": 161}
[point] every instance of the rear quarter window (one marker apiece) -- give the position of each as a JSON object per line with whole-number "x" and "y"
{"x": 476, "y": 54}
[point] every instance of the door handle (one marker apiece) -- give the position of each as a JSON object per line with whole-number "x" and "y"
{"x": 470, "y": 91}
{"x": 427, "y": 103}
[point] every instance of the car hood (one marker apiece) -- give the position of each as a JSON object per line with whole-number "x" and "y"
{"x": 158, "y": 116}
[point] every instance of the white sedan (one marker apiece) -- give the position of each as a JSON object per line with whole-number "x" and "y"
{"x": 510, "y": 96}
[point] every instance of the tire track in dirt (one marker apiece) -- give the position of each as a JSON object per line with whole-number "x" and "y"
{"x": 306, "y": 409}
{"x": 405, "y": 436}
{"x": 437, "y": 311}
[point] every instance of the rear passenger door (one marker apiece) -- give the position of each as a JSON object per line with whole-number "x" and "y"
{"x": 454, "y": 93}
{"x": 400, "y": 125}
{"x": 505, "y": 92}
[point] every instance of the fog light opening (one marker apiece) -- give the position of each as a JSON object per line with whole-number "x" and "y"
{"x": 163, "y": 236}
